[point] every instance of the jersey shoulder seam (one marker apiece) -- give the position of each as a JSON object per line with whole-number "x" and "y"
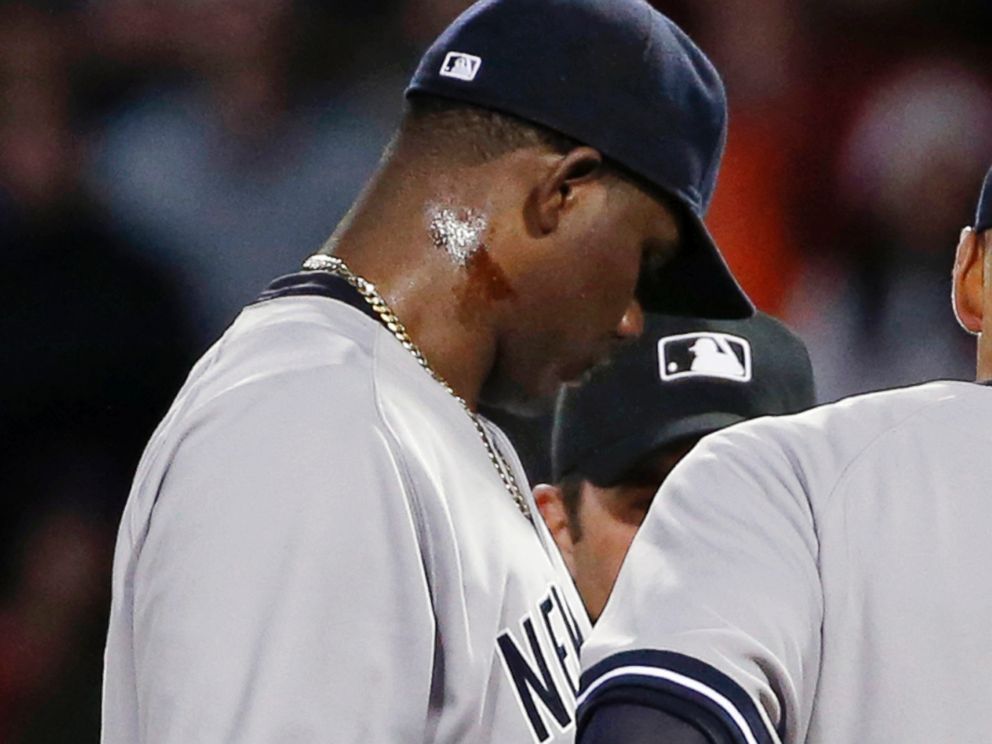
{"x": 858, "y": 457}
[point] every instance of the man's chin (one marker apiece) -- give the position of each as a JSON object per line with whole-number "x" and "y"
{"x": 574, "y": 381}
{"x": 516, "y": 401}
{"x": 579, "y": 376}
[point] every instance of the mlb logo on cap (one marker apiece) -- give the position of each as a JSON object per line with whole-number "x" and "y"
{"x": 461, "y": 66}
{"x": 707, "y": 354}
{"x": 705, "y": 374}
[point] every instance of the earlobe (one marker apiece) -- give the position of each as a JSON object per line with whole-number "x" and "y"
{"x": 969, "y": 282}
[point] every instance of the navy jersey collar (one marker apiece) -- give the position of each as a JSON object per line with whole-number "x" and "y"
{"x": 317, "y": 284}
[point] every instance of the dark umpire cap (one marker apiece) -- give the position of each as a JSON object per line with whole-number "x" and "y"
{"x": 983, "y": 219}
{"x": 682, "y": 379}
{"x": 618, "y": 76}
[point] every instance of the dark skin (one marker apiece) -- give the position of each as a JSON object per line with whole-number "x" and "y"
{"x": 549, "y": 295}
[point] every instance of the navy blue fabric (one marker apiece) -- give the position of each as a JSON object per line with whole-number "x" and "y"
{"x": 660, "y": 691}
{"x": 317, "y": 284}
{"x": 631, "y": 723}
{"x": 614, "y": 74}
{"x": 624, "y": 411}
{"x": 618, "y": 76}
{"x": 983, "y": 218}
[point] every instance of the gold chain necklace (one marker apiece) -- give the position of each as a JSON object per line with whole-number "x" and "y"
{"x": 337, "y": 267}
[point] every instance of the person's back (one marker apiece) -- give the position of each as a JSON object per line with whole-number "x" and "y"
{"x": 816, "y": 578}
{"x": 848, "y": 543}
{"x": 903, "y": 553}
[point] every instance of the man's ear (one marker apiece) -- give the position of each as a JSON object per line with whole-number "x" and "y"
{"x": 551, "y": 503}
{"x": 969, "y": 281}
{"x": 554, "y": 194}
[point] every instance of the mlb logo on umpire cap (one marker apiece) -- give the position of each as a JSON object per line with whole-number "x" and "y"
{"x": 706, "y": 354}
{"x": 461, "y": 66}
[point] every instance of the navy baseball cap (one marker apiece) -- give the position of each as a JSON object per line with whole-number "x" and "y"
{"x": 618, "y": 76}
{"x": 682, "y": 379}
{"x": 983, "y": 219}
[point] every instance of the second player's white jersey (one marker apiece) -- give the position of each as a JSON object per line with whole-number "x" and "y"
{"x": 819, "y": 578}
{"x": 318, "y": 548}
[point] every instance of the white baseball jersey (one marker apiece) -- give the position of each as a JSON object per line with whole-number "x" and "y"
{"x": 317, "y": 548}
{"x": 818, "y": 578}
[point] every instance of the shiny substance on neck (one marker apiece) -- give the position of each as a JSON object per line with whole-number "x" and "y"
{"x": 458, "y": 231}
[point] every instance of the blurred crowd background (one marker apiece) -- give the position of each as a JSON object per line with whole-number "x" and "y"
{"x": 161, "y": 161}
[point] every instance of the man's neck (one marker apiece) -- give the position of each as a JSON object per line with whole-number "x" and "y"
{"x": 427, "y": 292}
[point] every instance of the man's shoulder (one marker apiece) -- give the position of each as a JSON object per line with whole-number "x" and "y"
{"x": 285, "y": 341}
{"x": 321, "y": 351}
{"x": 867, "y": 416}
{"x": 822, "y": 442}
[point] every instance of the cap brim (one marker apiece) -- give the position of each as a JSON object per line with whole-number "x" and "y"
{"x": 697, "y": 282}
{"x": 608, "y": 466}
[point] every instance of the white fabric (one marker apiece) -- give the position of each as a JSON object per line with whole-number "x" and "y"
{"x": 318, "y": 549}
{"x": 834, "y": 564}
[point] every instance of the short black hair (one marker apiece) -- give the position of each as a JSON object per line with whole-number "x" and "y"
{"x": 467, "y": 134}
{"x": 571, "y": 496}
{"x": 472, "y": 134}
